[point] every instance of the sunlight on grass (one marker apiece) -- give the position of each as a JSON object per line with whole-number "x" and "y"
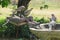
{"x": 5, "y": 11}
{"x": 36, "y": 12}
{"x": 2, "y": 20}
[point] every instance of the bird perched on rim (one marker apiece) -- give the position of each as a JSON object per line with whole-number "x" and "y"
{"x": 27, "y": 12}
{"x": 20, "y": 9}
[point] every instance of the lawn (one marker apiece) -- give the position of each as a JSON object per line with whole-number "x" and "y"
{"x": 54, "y": 8}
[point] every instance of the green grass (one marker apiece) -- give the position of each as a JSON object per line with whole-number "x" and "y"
{"x": 50, "y": 3}
{"x": 36, "y": 12}
{"x": 54, "y": 7}
{"x": 2, "y": 19}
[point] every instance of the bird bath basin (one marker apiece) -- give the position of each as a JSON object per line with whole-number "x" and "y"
{"x": 46, "y": 34}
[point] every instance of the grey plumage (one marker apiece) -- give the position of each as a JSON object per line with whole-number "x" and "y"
{"x": 16, "y": 19}
{"x": 27, "y": 12}
{"x": 21, "y": 8}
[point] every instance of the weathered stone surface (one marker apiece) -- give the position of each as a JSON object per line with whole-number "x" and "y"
{"x": 47, "y": 35}
{"x": 17, "y": 20}
{"x": 57, "y": 26}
